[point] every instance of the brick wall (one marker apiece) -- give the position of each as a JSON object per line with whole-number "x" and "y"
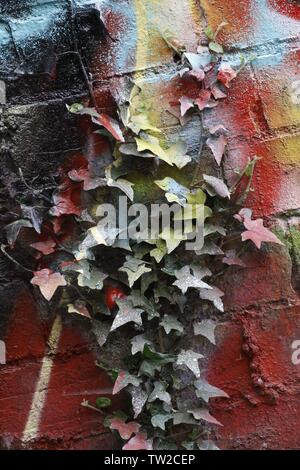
{"x": 50, "y": 365}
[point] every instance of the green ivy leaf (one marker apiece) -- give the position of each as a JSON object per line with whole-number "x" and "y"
{"x": 103, "y": 402}
{"x": 216, "y": 47}
{"x": 170, "y": 322}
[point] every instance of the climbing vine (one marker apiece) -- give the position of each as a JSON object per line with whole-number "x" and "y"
{"x": 148, "y": 299}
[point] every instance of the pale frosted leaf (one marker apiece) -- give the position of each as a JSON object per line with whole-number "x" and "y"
{"x": 120, "y": 183}
{"x": 207, "y": 445}
{"x": 170, "y": 322}
{"x": 204, "y": 414}
{"x": 80, "y": 308}
{"x": 218, "y": 186}
{"x": 213, "y": 295}
{"x": 206, "y": 391}
{"x": 126, "y": 314}
{"x": 138, "y": 344}
{"x": 139, "y": 398}
{"x": 101, "y": 331}
{"x": 186, "y": 280}
{"x": 160, "y": 420}
{"x": 190, "y": 360}
{"x": 206, "y": 328}
{"x": 159, "y": 393}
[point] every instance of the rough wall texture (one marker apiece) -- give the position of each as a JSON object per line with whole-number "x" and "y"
{"x": 50, "y": 364}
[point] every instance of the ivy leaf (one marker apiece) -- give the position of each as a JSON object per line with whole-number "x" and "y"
{"x": 124, "y": 429}
{"x": 98, "y": 235}
{"x": 206, "y": 328}
{"x": 206, "y": 391}
{"x": 48, "y": 281}
{"x": 80, "y": 308}
{"x": 232, "y": 259}
{"x": 140, "y": 122}
{"x": 134, "y": 268}
{"x": 177, "y": 154}
{"x": 123, "y": 380}
{"x": 110, "y": 124}
{"x": 210, "y": 248}
{"x": 138, "y": 442}
{"x": 218, "y": 186}
{"x": 217, "y": 146}
{"x": 226, "y": 74}
{"x": 90, "y": 181}
{"x": 156, "y": 357}
{"x": 127, "y": 313}
{"x": 216, "y": 47}
{"x": 183, "y": 418}
{"x": 198, "y": 61}
{"x": 138, "y": 344}
{"x": 186, "y": 280}
{"x": 213, "y": 295}
{"x": 204, "y": 414}
{"x": 190, "y": 360}
{"x": 101, "y": 330}
{"x": 92, "y": 279}
{"x": 172, "y": 238}
{"x": 207, "y": 445}
{"x": 160, "y": 251}
{"x": 257, "y": 233}
{"x": 103, "y": 402}
{"x": 209, "y": 33}
{"x": 120, "y": 183}
{"x": 203, "y": 99}
{"x": 185, "y": 104}
{"x": 217, "y": 93}
{"x": 139, "y": 300}
{"x": 131, "y": 149}
{"x": 174, "y": 192}
{"x": 66, "y": 200}
{"x": 35, "y": 215}
{"x": 159, "y": 393}
{"x": 159, "y": 421}
{"x": 46, "y": 247}
{"x": 149, "y": 142}
{"x": 13, "y": 230}
{"x": 139, "y": 398}
{"x": 170, "y": 322}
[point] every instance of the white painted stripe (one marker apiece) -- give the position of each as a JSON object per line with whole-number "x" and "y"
{"x": 40, "y": 394}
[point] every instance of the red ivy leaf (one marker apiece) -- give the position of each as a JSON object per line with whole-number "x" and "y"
{"x": 67, "y": 200}
{"x": 139, "y": 442}
{"x": 48, "y": 282}
{"x": 46, "y": 247}
{"x": 110, "y": 124}
{"x": 257, "y": 233}
{"x": 124, "y": 429}
{"x": 217, "y": 146}
{"x": 89, "y": 181}
{"x": 203, "y": 99}
{"x": 217, "y": 93}
{"x": 185, "y": 104}
{"x": 226, "y": 74}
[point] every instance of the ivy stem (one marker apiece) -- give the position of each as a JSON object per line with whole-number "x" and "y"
{"x": 86, "y": 404}
{"x": 3, "y": 249}
{"x": 161, "y": 340}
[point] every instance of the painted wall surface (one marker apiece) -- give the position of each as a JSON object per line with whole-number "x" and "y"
{"x": 50, "y": 365}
